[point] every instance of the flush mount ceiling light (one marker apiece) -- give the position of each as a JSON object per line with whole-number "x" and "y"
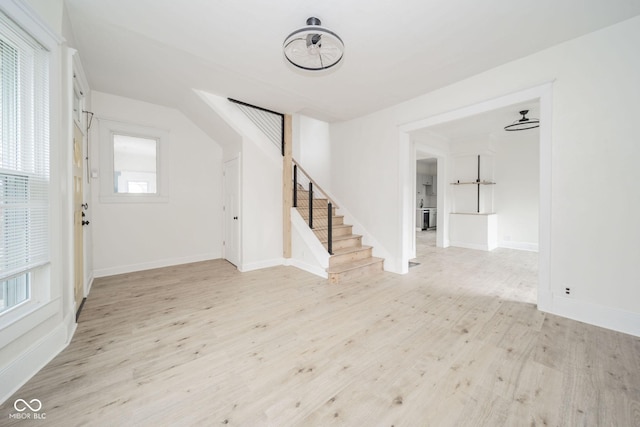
{"x": 524, "y": 123}
{"x": 313, "y": 47}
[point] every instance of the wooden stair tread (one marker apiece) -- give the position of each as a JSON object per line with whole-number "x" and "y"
{"x": 324, "y": 217}
{"x": 339, "y": 238}
{"x": 349, "y": 250}
{"x": 353, "y": 265}
{"x": 334, "y": 226}
{"x": 350, "y": 258}
{"x": 304, "y": 210}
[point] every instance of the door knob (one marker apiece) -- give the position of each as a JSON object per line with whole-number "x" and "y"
{"x": 85, "y": 222}
{"x": 235, "y": 217}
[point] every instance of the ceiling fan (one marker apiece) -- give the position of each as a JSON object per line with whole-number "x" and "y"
{"x": 313, "y": 47}
{"x": 523, "y": 124}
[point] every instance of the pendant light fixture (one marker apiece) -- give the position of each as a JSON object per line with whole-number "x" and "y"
{"x": 524, "y": 123}
{"x": 313, "y": 47}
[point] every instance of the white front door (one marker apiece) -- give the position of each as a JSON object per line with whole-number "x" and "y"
{"x": 231, "y": 245}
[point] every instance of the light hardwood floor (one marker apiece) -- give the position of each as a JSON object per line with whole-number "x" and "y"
{"x": 456, "y": 342}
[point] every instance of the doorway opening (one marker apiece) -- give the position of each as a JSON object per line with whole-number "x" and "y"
{"x": 426, "y": 135}
{"x": 426, "y": 199}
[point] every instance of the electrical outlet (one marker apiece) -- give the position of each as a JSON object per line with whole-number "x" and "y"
{"x": 567, "y": 291}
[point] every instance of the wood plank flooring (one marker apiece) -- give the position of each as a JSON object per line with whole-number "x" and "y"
{"x": 456, "y": 342}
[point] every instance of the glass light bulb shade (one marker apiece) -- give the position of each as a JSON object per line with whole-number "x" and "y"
{"x": 313, "y": 48}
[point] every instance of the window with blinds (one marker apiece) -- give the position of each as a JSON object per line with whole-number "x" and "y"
{"x": 24, "y": 162}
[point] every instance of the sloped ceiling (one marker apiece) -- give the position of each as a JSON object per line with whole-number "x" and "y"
{"x": 158, "y": 50}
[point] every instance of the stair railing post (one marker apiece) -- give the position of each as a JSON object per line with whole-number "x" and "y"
{"x": 310, "y": 205}
{"x": 282, "y": 137}
{"x": 295, "y": 186}
{"x": 330, "y": 228}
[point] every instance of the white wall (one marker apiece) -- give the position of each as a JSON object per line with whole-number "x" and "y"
{"x": 464, "y": 198}
{"x": 594, "y": 150}
{"x": 188, "y": 228}
{"x": 429, "y": 167}
{"x": 51, "y": 12}
{"x": 307, "y": 253}
{"x": 261, "y": 185}
{"x": 197, "y": 108}
{"x": 261, "y": 205}
{"x": 365, "y": 168}
{"x": 511, "y": 160}
{"x": 312, "y": 148}
{"x": 516, "y": 193}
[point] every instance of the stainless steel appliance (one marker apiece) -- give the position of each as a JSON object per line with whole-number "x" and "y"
{"x": 429, "y": 216}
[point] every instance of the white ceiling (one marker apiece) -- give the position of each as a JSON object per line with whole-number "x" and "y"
{"x": 490, "y": 123}
{"x": 483, "y": 127}
{"x": 158, "y": 50}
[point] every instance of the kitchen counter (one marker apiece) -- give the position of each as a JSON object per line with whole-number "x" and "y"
{"x": 474, "y": 230}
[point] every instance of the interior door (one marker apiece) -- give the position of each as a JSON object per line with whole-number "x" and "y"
{"x": 231, "y": 246}
{"x": 78, "y": 251}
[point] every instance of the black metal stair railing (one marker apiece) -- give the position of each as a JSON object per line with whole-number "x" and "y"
{"x": 305, "y": 190}
{"x": 271, "y": 123}
{"x": 308, "y": 194}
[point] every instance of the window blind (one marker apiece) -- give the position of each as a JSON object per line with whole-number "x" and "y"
{"x": 24, "y": 151}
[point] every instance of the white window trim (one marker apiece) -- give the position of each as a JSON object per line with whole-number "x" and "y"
{"x": 107, "y": 194}
{"x": 42, "y": 295}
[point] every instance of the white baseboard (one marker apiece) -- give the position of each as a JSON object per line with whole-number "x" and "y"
{"x": 88, "y": 285}
{"x": 261, "y": 264}
{"x": 606, "y": 317}
{"x": 521, "y": 246}
{"x": 470, "y": 246}
{"x": 71, "y": 325}
{"x": 25, "y": 366}
{"x": 111, "y": 271}
{"x": 313, "y": 269}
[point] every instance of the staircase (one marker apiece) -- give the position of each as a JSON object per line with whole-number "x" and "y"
{"x": 350, "y": 259}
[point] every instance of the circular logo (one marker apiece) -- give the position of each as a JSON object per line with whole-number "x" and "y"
{"x": 21, "y": 405}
